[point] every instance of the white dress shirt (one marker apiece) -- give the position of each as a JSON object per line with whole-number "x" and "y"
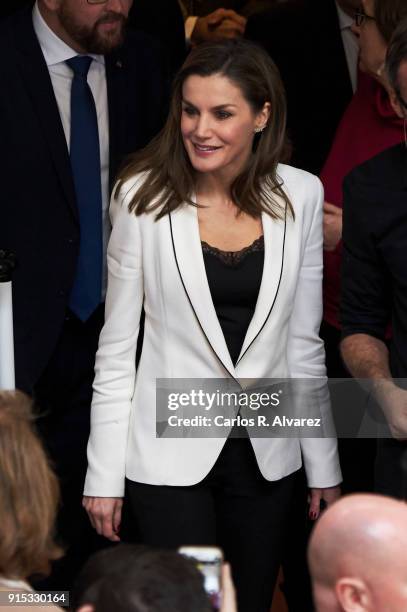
{"x": 56, "y": 52}
{"x": 350, "y": 43}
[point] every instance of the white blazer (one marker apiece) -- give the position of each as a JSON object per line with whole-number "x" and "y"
{"x": 160, "y": 265}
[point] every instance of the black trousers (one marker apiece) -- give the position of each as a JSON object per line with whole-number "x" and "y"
{"x": 234, "y": 507}
{"x": 63, "y": 396}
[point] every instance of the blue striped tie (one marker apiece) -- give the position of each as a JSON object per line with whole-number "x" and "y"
{"x": 85, "y": 161}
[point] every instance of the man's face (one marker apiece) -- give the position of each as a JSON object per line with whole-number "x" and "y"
{"x": 93, "y": 28}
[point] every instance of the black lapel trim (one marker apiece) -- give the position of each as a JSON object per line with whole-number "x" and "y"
{"x": 189, "y": 300}
{"x": 276, "y": 294}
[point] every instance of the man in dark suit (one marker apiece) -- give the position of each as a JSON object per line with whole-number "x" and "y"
{"x": 374, "y": 280}
{"x": 64, "y": 134}
{"x": 304, "y": 39}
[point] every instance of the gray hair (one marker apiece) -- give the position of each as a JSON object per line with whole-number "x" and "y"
{"x": 396, "y": 54}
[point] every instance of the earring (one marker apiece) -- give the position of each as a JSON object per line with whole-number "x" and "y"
{"x": 258, "y": 130}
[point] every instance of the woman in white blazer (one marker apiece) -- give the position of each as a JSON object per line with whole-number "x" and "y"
{"x": 222, "y": 246}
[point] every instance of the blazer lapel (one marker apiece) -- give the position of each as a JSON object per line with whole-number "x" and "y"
{"x": 36, "y": 76}
{"x": 191, "y": 267}
{"x": 274, "y": 244}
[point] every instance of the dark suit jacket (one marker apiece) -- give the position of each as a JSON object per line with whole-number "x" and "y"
{"x": 304, "y": 40}
{"x": 39, "y": 217}
{"x": 374, "y": 273}
{"x": 163, "y": 20}
{"x": 8, "y": 7}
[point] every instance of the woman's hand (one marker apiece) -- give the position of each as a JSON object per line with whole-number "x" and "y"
{"x": 228, "y": 590}
{"x": 105, "y": 514}
{"x": 332, "y": 226}
{"x": 328, "y": 495}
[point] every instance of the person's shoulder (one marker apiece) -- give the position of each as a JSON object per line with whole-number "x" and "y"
{"x": 293, "y": 177}
{"x": 304, "y": 190}
{"x": 125, "y": 188}
{"x": 16, "y": 34}
{"x": 140, "y": 47}
{"x": 385, "y": 170}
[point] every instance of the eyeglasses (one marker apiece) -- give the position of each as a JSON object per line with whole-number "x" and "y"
{"x": 360, "y": 17}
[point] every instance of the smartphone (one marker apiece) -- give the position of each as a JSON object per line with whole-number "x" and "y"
{"x": 209, "y": 561}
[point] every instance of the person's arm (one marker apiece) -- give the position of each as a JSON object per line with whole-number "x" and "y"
{"x": 115, "y": 370}
{"x": 222, "y": 23}
{"x": 332, "y": 226}
{"x": 365, "y": 306}
{"x": 306, "y": 355}
{"x": 367, "y": 357}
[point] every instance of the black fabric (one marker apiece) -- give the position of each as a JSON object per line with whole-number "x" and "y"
{"x": 8, "y": 7}
{"x": 304, "y": 40}
{"x": 374, "y": 274}
{"x": 233, "y": 507}
{"x": 234, "y": 280}
{"x": 163, "y": 20}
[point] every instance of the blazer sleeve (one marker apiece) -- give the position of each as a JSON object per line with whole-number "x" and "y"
{"x": 305, "y": 350}
{"x": 115, "y": 367}
{"x": 366, "y": 282}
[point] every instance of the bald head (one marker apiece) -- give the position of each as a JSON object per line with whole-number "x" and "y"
{"x": 358, "y": 555}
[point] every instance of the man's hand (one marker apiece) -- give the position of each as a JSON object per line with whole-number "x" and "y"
{"x": 329, "y": 495}
{"x": 332, "y": 226}
{"x": 105, "y": 514}
{"x": 393, "y": 402}
{"x": 222, "y": 23}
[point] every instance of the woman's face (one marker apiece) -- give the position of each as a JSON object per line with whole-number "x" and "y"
{"x": 373, "y": 47}
{"x": 217, "y": 125}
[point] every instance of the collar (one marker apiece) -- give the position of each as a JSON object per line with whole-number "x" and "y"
{"x": 15, "y": 584}
{"x": 345, "y": 21}
{"x": 55, "y": 50}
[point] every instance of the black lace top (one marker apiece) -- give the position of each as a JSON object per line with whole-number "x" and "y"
{"x": 234, "y": 279}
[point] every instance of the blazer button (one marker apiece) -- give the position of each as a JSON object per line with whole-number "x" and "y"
{"x": 61, "y": 293}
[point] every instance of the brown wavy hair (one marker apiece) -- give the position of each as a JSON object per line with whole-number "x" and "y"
{"x": 388, "y": 14}
{"x": 171, "y": 177}
{"x": 29, "y": 493}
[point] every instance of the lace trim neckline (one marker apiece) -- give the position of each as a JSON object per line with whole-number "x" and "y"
{"x": 233, "y": 257}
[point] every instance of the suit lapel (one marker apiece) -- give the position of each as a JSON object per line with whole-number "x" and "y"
{"x": 274, "y": 245}
{"x": 38, "y": 83}
{"x": 191, "y": 267}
